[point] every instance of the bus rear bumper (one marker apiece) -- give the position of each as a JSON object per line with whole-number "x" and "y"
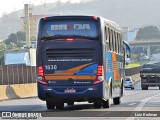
{"x": 70, "y": 93}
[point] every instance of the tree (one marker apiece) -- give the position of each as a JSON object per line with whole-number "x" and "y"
{"x": 11, "y": 38}
{"x": 148, "y": 32}
{"x": 3, "y": 46}
{"x": 12, "y": 46}
{"x": 21, "y": 36}
{"x": 15, "y": 37}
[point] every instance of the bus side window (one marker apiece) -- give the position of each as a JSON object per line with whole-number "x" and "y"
{"x": 105, "y": 33}
{"x": 113, "y": 48}
{"x": 111, "y": 33}
{"x": 115, "y": 42}
{"x": 110, "y": 39}
{"x": 107, "y": 38}
{"x": 119, "y": 42}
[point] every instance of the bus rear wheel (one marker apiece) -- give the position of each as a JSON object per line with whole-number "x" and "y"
{"x": 50, "y": 104}
{"x": 144, "y": 87}
{"x": 117, "y": 101}
{"x": 106, "y": 104}
{"x": 59, "y": 105}
{"x": 97, "y": 104}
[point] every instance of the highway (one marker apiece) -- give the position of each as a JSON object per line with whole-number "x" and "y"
{"x": 133, "y": 100}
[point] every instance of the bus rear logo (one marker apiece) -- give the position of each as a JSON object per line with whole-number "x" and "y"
{"x": 70, "y": 27}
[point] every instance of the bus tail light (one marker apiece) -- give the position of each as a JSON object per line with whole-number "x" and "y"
{"x": 69, "y": 39}
{"x": 100, "y": 75}
{"x": 41, "y": 78}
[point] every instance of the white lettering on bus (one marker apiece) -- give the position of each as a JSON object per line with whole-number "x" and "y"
{"x": 58, "y": 27}
{"x": 69, "y": 26}
{"x": 86, "y": 26}
{"x": 50, "y": 67}
{"x": 81, "y": 26}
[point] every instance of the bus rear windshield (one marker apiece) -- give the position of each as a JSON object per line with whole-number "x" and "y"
{"x": 69, "y": 28}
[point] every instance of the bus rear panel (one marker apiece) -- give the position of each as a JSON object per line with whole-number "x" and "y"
{"x": 69, "y": 59}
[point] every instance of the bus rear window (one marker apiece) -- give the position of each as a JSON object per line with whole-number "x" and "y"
{"x": 69, "y": 28}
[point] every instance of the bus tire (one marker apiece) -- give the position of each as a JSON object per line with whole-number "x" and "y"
{"x": 106, "y": 104}
{"x": 60, "y": 105}
{"x": 97, "y": 104}
{"x": 70, "y": 103}
{"x": 50, "y": 104}
{"x": 117, "y": 100}
{"x": 159, "y": 87}
{"x": 122, "y": 89}
{"x": 145, "y": 88}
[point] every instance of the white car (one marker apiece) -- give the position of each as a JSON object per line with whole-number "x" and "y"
{"x": 129, "y": 82}
{"x": 127, "y": 61}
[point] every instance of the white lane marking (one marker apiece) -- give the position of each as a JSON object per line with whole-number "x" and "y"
{"x": 143, "y": 102}
{"x": 141, "y": 105}
{"x": 131, "y": 104}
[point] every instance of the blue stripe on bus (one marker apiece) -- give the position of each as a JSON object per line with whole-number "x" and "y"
{"x": 89, "y": 70}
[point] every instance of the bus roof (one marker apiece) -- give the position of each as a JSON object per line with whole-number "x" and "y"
{"x": 67, "y": 16}
{"x": 109, "y": 23}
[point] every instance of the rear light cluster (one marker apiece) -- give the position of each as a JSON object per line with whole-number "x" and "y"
{"x": 69, "y": 39}
{"x": 100, "y": 75}
{"x": 41, "y": 78}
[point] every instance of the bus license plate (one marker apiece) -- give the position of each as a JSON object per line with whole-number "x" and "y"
{"x": 70, "y": 90}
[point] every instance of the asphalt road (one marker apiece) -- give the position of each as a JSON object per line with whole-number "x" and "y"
{"x": 133, "y": 100}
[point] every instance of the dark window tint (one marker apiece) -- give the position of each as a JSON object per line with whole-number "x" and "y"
{"x": 149, "y": 66}
{"x": 68, "y": 28}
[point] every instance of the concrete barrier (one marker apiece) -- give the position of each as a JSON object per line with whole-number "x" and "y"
{"x": 136, "y": 77}
{"x": 18, "y": 91}
{"x": 29, "y": 90}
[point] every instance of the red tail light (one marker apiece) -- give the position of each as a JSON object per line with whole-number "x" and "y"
{"x": 69, "y": 39}
{"x": 100, "y": 70}
{"x": 41, "y": 78}
{"x": 100, "y": 75}
{"x": 40, "y": 71}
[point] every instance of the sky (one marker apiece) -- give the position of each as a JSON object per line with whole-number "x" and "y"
{"x": 8, "y": 6}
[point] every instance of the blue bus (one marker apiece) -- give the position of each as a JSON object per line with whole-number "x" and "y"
{"x": 80, "y": 58}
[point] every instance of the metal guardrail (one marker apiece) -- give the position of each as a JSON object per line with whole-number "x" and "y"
{"x": 19, "y": 74}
